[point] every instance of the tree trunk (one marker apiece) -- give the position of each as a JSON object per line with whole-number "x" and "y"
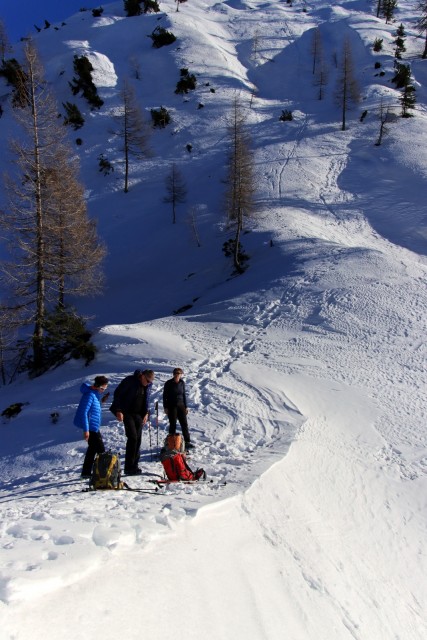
{"x": 40, "y": 248}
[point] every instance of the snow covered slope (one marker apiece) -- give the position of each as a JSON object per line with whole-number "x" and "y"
{"x": 306, "y": 375}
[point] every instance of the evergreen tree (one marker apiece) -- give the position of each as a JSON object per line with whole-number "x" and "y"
{"x": 66, "y": 336}
{"x": 388, "y": 8}
{"x": 133, "y": 7}
{"x": 407, "y": 100}
{"x": 73, "y": 117}
{"x": 400, "y": 42}
{"x": 402, "y": 77}
{"x": 84, "y": 83}
{"x": 15, "y": 75}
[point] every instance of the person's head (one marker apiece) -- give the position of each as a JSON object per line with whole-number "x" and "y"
{"x": 101, "y": 383}
{"x": 146, "y": 377}
{"x": 177, "y": 373}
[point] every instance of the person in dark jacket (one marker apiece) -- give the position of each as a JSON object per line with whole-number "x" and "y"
{"x": 130, "y": 405}
{"x": 88, "y": 418}
{"x": 175, "y": 405}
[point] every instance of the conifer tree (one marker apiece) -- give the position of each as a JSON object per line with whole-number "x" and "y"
{"x": 133, "y": 130}
{"x": 241, "y": 182}
{"x": 407, "y": 100}
{"x": 388, "y": 8}
{"x": 132, "y": 7}
{"x": 176, "y": 189}
{"x": 402, "y": 76}
{"x": 42, "y": 157}
{"x": 400, "y": 42}
{"x": 347, "y": 91}
{"x": 5, "y": 46}
{"x": 422, "y": 23}
{"x": 316, "y": 49}
{"x": 73, "y": 250}
{"x": 383, "y": 114}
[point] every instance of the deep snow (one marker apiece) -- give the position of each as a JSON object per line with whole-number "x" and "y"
{"x": 306, "y": 375}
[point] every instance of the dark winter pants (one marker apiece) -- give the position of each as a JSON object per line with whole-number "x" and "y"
{"x": 95, "y": 445}
{"x": 133, "y": 430}
{"x": 179, "y": 413}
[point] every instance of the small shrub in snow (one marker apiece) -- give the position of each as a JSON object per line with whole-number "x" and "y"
{"x": 378, "y": 44}
{"x": 105, "y": 165}
{"x": 73, "y": 117}
{"x": 132, "y": 7}
{"x": 161, "y": 117}
{"x": 228, "y": 249}
{"x": 14, "y": 75}
{"x": 151, "y": 6}
{"x": 161, "y": 37}
{"x": 186, "y": 83}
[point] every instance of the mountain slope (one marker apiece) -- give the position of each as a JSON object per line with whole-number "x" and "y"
{"x": 305, "y": 374}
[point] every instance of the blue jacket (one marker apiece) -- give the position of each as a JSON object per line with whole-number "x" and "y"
{"x": 88, "y": 414}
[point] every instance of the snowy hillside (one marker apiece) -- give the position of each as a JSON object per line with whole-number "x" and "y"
{"x": 306, "y": 375}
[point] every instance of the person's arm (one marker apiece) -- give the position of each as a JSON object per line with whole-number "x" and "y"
{"x": 165, "y": 398}
{"x": 184, "y": 395}
{"x": 147, "y": 402}
{"x": 118, "y": 396}
{"x": 87, "y": 402}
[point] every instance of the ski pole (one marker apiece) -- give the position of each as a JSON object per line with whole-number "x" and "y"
{"x": 149, "y": 432}
{"x": 157, "y": 424}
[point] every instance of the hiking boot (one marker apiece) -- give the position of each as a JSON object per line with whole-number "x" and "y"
{"x": 85, "y": 476}
{"x": 133, "y": 472}
{"x": 190, "y": 445}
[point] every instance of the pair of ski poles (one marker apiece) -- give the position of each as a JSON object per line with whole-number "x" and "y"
{"x": 156, "y": 406}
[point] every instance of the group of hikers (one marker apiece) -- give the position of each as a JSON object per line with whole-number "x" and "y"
{"x": 131, "y": 401}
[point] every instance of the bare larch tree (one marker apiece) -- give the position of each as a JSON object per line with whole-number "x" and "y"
{"x": 176, "y": 189}
{"x": 133, "y": 130}
{"x": 32, "y": 219}
{"x": 347, "y": 90}
{"x": 240, "y": 180}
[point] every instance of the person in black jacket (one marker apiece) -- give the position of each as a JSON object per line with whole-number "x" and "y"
{"x": 175, "y": 405}
{"x": 130, "y": 405}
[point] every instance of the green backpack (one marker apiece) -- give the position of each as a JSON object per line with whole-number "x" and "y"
{"x": 106, "y": 472}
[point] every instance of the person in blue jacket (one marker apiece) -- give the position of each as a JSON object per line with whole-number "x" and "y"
{"x": 88, "y": 418}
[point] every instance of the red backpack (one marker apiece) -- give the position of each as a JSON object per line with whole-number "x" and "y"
{"x": 175, "y": 464}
